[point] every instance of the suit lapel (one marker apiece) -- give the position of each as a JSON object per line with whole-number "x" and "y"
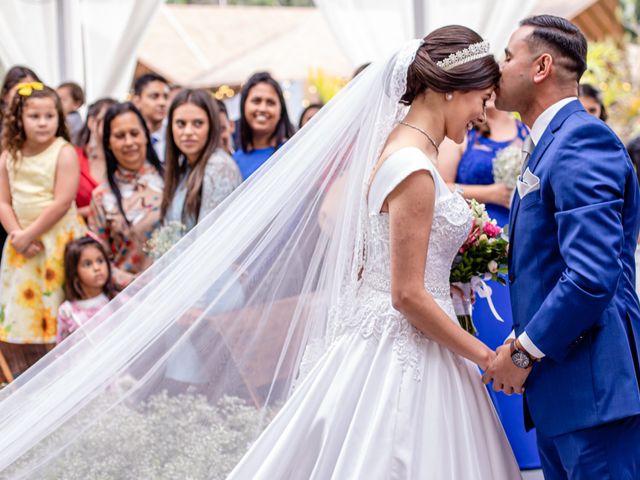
{"x": 537, "y": 153}
{"x": 546, "y": 140}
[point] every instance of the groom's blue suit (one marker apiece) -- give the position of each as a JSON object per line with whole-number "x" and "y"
{"x": 572, "y": 278}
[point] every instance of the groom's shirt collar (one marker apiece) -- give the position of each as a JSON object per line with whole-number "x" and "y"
{"x": 543, "y": 121}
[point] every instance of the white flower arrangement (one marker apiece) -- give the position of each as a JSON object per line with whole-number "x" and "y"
{"x": 163, "y": 238}
{"x": 165, "y": 438}
{"x": 507, "y": 165}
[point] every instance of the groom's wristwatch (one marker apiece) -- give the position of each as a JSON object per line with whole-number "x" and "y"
{"x": 520, "y": 357}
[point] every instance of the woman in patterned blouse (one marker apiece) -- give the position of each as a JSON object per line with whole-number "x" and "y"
{"x": 125, "y": 210}
{"x": 199, "y": 173}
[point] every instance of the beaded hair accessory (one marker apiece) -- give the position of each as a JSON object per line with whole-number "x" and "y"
{"x": 466, "y": 55}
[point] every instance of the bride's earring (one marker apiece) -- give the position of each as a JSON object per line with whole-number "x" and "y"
{"x": 448, "y": 96}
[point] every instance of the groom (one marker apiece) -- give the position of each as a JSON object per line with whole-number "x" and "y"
{"x": 574, "y": 227}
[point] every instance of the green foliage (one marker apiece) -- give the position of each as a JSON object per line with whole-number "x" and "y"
{"x": 325, "y": 85}
{"x": 610, "y": 71}
{"x": 474, "y": 261}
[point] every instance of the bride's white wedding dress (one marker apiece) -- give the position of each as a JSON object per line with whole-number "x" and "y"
{"x": 385, "y": 402}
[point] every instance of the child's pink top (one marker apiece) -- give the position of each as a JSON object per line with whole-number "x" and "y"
{"x": 73, "y": 314}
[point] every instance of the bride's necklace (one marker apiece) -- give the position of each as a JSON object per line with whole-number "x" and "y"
{"x": 424, "y": 133}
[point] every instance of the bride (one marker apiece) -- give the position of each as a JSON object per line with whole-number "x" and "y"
{"x": 314, "y": 301}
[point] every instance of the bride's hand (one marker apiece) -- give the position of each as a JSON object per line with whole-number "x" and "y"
{"x": 457, "y": 291}
{"x": 489, "y": 358}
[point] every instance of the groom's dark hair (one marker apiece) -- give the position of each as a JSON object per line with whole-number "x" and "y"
{"x": 563, "y": 38}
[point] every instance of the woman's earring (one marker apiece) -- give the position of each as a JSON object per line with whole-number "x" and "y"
{"x": 448, "y": 96}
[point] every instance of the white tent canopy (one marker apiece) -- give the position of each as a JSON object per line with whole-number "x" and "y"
{"x": 370, "y": 29}
{"x": 205, "y": 45}
{"x": 91, "y": 42}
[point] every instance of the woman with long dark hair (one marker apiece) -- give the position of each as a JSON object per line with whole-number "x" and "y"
{"x": 199, "y": 174}
{"x": 125, "y": 210}
{"x": 264, "y": 122}
{"x": 591, "y": 99}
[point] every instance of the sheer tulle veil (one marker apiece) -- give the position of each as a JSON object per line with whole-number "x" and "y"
{"x": 176, "y": 376}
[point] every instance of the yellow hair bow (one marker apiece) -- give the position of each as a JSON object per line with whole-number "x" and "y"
{"x": 27, "y": 88}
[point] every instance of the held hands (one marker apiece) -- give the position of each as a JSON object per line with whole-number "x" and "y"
{"x": 505, "y": 375}
{"x": 34, "y": 249}
{"x": 23, "y": 242}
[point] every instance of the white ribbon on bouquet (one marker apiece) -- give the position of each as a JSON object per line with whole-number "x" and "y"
{"x": 483, "y": 290}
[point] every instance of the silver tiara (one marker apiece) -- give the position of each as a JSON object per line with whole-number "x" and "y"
{"x": 472, "y": 52}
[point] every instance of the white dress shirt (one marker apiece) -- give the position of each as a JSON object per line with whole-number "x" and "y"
{"x": 159, "y": 141}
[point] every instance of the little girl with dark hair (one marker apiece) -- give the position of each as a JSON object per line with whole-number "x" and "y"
{"x": 88, "y": 284}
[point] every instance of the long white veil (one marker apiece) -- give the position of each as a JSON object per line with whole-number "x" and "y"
{"x": 177, "y": 375}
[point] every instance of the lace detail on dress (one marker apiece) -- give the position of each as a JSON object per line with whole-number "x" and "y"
{"x": 221, "y": 177}
{"x": 368, "y": 308}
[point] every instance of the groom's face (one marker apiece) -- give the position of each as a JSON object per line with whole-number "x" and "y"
{"x": 516, "y": 83}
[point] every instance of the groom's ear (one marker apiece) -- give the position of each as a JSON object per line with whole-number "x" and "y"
{"x": 542, "y": 67}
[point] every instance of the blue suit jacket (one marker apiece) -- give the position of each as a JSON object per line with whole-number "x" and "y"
{"x": 572, "y": 276}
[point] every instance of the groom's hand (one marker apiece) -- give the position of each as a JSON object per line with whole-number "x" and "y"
{"x": 505, "y": 375}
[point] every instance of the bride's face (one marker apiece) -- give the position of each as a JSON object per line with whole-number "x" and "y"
{"x": 463, "y": 110}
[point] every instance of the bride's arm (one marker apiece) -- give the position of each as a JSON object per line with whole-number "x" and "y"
{"x": 411, "y": 206}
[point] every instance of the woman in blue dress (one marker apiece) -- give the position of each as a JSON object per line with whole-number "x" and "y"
{"x": 264, "y": 123}
{"x": 469, "y": 168}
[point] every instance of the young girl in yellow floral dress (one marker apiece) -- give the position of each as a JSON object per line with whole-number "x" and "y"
{"x": 39, "y": 174}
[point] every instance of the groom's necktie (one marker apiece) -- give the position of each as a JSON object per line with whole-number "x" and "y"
{"x": 527, "y": 149}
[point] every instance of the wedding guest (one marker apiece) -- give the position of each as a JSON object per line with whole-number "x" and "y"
{"x": 199, "y": 173}
{"x": 93, "y": 167}
{"x": 88, "y": 284}
{"x": 468, "y": 168}
{"x": 633, "y": 147}
{"x": 125, "y": 210}
{"x": 16, "y": 74}
{"x": 151, "y": 97}
{"x": 264, "y": 122}
{"x": 38, "y": 180}
{"x": 227, "y": 128}
{"x": 308, "y": 113}
{"x": 72, "y": 98}
{"x": 591, "y": 99}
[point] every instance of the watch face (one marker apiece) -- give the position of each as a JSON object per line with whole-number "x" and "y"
{"x": 520, "y": 359}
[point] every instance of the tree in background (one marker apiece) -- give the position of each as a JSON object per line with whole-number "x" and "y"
{"x": 612, "y": 67}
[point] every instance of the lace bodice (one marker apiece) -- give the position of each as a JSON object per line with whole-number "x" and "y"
{"x": 369, "y": 309}
{"x": 451, "y": 225}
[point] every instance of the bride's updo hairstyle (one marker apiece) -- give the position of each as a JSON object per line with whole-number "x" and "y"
{"x": 424, "y": 72}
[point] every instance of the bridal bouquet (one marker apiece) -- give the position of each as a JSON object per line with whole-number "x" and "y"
{"x": 507, "y": 165}
{"x": 163, "y": 238}
{"x": 483, "y": 256}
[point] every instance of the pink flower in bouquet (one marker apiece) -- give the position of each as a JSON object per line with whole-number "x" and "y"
{"x": 472, "y": 238}
{"x": 492, "y": 230}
